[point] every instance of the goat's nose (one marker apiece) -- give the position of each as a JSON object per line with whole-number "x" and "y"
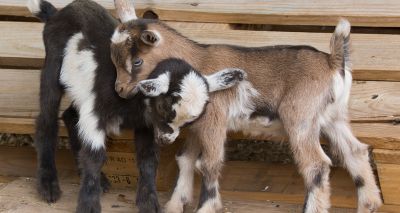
{"x": 119, "y": 88}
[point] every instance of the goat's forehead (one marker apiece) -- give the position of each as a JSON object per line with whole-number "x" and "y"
{"x": 120, "y": 36}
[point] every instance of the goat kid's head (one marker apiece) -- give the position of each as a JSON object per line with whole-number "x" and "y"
{"x": 178, "y": 94}
{"x": 137, "y": 46}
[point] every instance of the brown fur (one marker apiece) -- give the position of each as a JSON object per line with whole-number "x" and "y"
{"x": 295, "y": 83}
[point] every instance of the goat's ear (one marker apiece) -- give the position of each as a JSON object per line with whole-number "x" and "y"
{"x": 125, "y": 10}
{"x": 225, "y": 79}
{"x": 155, "y": 87}
{"x": 150, "y": 37}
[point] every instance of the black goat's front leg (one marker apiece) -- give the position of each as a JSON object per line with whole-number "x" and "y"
{"x": 91, "y": 162}
{"x": 46, "y": 135}
{"x": 71, "y": 118}
{"x": 147, "y": 155}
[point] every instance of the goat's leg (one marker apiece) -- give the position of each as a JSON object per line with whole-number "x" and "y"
{"x": 46, "y": 135}
{"x": 91, "y": 161}
{"x": 71, "y": 118}
{"x": 210, "y": 164}
{"x": 147, "y": 155}
{"x": 354, "y": 156}
{"x": 183, "y": 191}
{"x": 313, "y": 163}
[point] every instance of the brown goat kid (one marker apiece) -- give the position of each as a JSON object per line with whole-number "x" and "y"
{"x": 297, "y": 90}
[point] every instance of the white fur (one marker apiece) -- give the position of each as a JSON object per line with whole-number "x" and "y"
{"x": 119, "y": 37}
{"x": 34, "y": 6}
{"x": 78, "y": 75}
{"x": 128, "y": 64}
{"x": 160, "y": 85}
{"x": 113, "y": 126}
{"x": 125, "y": 10}
{"x": 343, "y": 28}
{"x": 183, "y": 192}
{"x": 241, "y": 109}
{"x": 217, "y": 81}
{"x": 194, "y": 95}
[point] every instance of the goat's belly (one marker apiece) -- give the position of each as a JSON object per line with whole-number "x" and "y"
{"x": 259, "y": 126}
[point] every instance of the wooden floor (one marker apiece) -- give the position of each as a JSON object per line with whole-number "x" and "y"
{"x": 19, "y": 195}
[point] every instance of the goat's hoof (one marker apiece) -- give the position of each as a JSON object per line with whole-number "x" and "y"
{"x": 149, "y": 205}
{"x": 88, "y": 207}
{"x": 48, "y": 187}
{"x": 105, "y": 183}
{"x": 173, "y": 207}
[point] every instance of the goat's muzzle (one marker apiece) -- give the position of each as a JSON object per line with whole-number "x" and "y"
{"x": 125, "y": 90}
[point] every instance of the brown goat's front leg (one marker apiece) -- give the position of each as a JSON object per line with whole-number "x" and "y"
{"x": 209, "y": 164}
{"x": 313, "y": 164}
{"x": 354, "y": 156}
{"x": 183, "y": 191}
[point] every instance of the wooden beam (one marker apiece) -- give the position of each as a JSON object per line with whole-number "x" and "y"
{"x": 296, "y": 12}
{"x": 386, "y": 156}
{"x": 371, "y": 101}
{"x": 390, "y": 182}
{"x": 283, "y": 181}
{"x": 372, "y": 58}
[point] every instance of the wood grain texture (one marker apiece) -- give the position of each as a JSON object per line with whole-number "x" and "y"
{"x": 371, "y": 101}
{"x": 120, "y": 200}
{"x": 296, "y": 12}
{"x": 372, "y": 59}
{"x": 387, "y": 156}
{"x": 390, "y": 182}
{"x": 283, "y": 181}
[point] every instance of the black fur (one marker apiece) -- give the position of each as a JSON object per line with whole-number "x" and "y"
{"x": 97, "y": 27}
{"x": 265, "y": 111}
{"x": 47, "y": 10}
{"x": 206, "y": 194}
{"x": 359, "y": 182}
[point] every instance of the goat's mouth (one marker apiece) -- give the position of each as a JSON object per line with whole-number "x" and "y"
{"x": 126, "y": 91}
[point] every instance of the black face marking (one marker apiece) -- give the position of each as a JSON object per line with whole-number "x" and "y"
{"x": 265, "y": 111}
{"x": 359, "y": 182}
{"x": 206, "y": 194}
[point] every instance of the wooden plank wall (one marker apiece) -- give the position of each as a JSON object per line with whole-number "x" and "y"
{"x": 374, "y": 104}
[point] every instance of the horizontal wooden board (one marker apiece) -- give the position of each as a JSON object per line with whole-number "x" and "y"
{"x": 283, "y": 181}
{"x": 390, "y": 182}
{"x": 297, "y": 12}
{"x": 387, "y": 156}
{"x": 372, "y": 58}
{"x": 370, "y": 100}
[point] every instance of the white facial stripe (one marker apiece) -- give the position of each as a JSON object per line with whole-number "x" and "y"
{"x": 78, "y": 74}
{"x": 194, "y": 96}
{"x": 128, "y": 64}
{"x": 119, "y": 37}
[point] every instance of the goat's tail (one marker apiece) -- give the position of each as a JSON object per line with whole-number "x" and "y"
{"x": 41, "y": 9}
{"x": 340, "y": 46}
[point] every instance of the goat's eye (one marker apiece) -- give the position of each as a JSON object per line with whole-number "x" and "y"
{"x": 138, "y": 62}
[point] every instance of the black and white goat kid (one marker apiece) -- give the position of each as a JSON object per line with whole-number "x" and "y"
{"x": 78, "y": 63}
{"x": 179, "y": 94}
